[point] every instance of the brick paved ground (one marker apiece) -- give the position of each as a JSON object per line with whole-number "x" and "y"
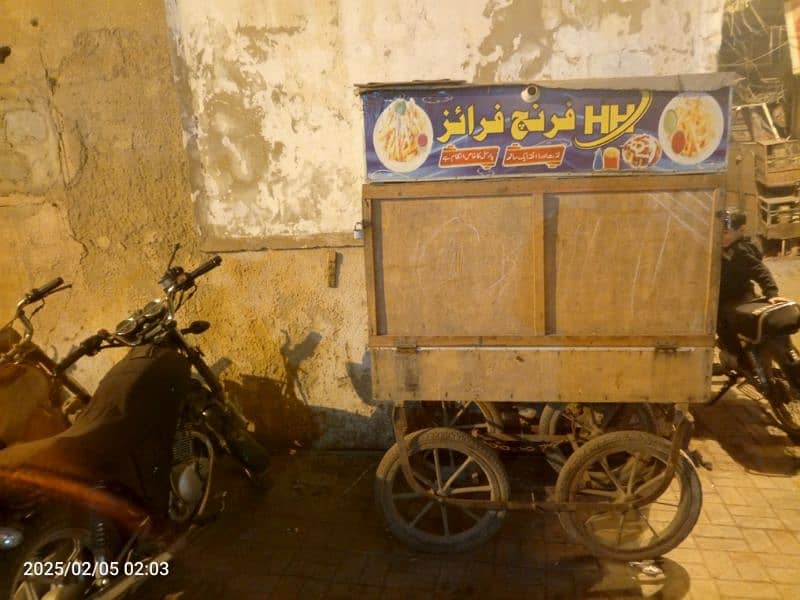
{"x": 317, "y": 534}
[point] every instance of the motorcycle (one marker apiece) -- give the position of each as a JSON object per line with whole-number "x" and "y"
{"x": 772, "y": 363}
{"x": 91, "y": 510}
{"x": 35, "y": 402}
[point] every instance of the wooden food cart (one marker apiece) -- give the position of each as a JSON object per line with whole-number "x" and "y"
{"x": 552, "y": 246}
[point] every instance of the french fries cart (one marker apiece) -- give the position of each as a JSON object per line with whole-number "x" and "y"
{"x": 550, "y": 251}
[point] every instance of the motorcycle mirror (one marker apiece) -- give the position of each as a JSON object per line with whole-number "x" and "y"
{"x": 172, "y": 258}
{"x": 197, "y": 327}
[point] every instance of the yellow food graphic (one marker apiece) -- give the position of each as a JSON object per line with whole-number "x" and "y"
{"x": 693, "y": 131}
{"x": 402, "y": 135}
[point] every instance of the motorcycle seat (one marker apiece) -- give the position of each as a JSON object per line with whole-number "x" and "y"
{"x": 123, "y": 437}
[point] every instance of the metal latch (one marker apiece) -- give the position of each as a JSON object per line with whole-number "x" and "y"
{"x": 406, "y": 345}
{"x": 666, "y": 347}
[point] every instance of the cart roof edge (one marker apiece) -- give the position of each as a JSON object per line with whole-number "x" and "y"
{"x": 695, "y": 82}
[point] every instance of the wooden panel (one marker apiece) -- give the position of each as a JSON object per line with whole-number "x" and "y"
{"x": 456, "y": 266}
{"x": 632, "y": 263}
{"x": 573, "y": 341}
{"x": 714, "y": 265}
{"x": 525, "y": 186}
{"x": 542, "y": 375}
{"x": 369, "y": 259}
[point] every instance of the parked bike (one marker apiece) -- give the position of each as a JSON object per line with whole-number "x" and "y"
{"x": 86, "y": 512}
{"x": 35, "y": 400}
{"x": 772, "y": 365}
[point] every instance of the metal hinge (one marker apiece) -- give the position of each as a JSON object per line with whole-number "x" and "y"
{"x": 406, "y": 345}
{"x": 666, "y": 347}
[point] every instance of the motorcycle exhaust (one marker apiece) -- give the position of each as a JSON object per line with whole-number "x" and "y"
{"x": 240, "y": 443}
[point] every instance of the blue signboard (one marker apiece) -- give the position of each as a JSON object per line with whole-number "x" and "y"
{"x": 418, "y": 133}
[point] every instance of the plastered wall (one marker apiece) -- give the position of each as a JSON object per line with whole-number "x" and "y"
{"x": 233, "y": 125}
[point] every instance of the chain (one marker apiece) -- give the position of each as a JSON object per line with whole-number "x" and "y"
{"x": 504, "y": 447}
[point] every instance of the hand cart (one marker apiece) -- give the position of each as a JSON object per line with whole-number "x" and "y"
{"x": 548, "y": 252}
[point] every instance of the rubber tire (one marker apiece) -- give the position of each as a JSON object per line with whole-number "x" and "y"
{"x": 549, "y": 421}
{"x": 44, "y": 529}
{"x": 689, "y": 508}
{"x": 781, "y": 389}
{"x": 428, "y": 439}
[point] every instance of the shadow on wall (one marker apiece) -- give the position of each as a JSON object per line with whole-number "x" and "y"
{"x": 279, "y": 408}
{"x": 283, "y": 417}
{"x": 361, "y": 377}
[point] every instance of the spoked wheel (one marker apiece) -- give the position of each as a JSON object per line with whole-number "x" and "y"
{"x": 28, "y": 573}
{"x": 587, "y": 421}
{"x": 465, "y": 416}
{"x": 448, "y": 463}
{"x": 784, "y": 398}
{"x": 620, "y": 467}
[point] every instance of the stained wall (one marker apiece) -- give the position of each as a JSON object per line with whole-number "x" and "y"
{"x": 232, "y": 125}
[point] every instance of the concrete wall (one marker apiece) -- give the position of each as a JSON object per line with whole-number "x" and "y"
{"x": 105, "y": 161}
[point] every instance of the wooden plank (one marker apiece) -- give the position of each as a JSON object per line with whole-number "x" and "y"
{"x": 539, "y": 281}
{"x": 455, "y": 266}
{"x": 216, "y": 240}
{"x": 542, "y": 375}
{"x": 714, "y": 264}
{"x": 622, "y": 341}
{"x": 369, "y": 263}
{"x": 530, "y": 185}
{"x": 632, "y": 263}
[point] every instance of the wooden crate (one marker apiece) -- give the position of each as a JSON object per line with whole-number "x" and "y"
{"x": 582, "y": 289}
{"x": 777, "y": 162}
{"x": 779, "y": 217}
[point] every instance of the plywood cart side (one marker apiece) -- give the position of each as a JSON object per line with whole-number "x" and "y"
{"x": 581, "y": 289}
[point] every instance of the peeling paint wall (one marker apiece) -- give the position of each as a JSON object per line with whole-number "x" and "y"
{"x": 128, "y": 126}
{"x": 274, "y": 125}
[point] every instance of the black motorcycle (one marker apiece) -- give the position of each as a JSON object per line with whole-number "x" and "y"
{"x": 772, "y": 365}
{"x": 89, "y": 511}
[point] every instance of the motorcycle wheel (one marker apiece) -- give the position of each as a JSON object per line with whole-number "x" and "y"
{"x": 784, "y": 398}
{"x": 562, "y": 419}
{"x": 624, "y": 466}
{"x": 52, "y": 538}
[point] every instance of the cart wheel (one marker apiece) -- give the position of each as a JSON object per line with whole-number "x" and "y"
{"x": 448, "y": 463}
{"x": 622, "y": 466}
{"x": 466, "y": 416}
{"x": 586, "y": 421}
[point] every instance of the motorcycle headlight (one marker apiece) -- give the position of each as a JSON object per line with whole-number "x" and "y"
{"x": 9, "y": 538}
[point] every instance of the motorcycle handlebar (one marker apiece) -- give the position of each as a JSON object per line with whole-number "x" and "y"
{"x": 186, "y": 280}
{"x": 207, "y": 266}
{"x": 37, "y": 294}
{"x": 88, "y": 346}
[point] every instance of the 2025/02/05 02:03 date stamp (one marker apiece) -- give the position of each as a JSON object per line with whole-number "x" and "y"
{"x": 95, "y": 569}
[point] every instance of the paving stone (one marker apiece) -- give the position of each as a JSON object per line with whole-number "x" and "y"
{"x": 716, "y": 531}
{"x": 747, "y": 589}
{"x": 789, "y": 591}
{"x": 722, "y": 544}
{"x": 786, "y": 541}
{"x": 719, "y": 564}
{"x": 703, "y": 589}
{"x": 784, "y": 573}
{"x": 749, "y": 566}
{"x": 758, "y": 540}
